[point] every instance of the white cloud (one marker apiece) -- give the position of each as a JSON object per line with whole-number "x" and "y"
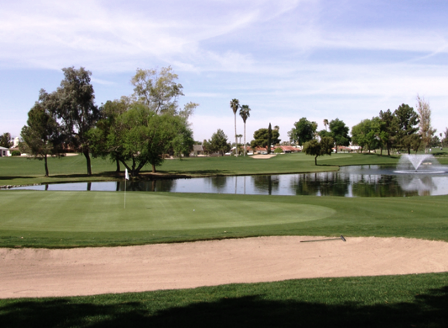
{"x": 286, "y": 59}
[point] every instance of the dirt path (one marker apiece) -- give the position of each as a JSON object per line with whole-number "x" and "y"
{"x": 87, "y": 271}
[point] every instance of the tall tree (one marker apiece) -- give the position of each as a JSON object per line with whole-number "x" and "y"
{"x": 339, "y": 133}
{"x": 261, "y": 138}
{"x": 316, "y": 148}
{"x": 388, "y": 130}
{"x": 42, "y": 134}
{"x": 5, "y": 140}
{"x": 73, "y": 103}
{"x": 144, "y": 137}
{"x": 304, "y": 130}
{"x": 218, "y": 143}
{"x": 244, "y": 113}
{"x": 366, "y": 133}
{"x": 269, "y": 138}
{"x": 425, "y": 128}
{"x": 99, "y": 136}
{"x": 235, "y": 105}
{"x": 407, "y": 121}
{"x": 157, "y": 89}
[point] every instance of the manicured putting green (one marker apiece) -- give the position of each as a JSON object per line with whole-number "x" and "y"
{"x": 105, "y": 212}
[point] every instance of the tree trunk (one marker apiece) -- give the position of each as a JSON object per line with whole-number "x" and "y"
{"x": 153, "y": 168}
{"x": 245, "y": 139}
{"x": 89, "y": 166}
{"x": 118, "y": 165}
{"x": 315, "y": 160}
{"x": 236, "y": 143}
{"x": 46, "y": 167}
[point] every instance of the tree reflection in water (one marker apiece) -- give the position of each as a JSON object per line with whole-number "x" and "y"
{"x": 362, "y": 181}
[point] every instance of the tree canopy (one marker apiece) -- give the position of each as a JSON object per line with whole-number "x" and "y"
{"x": 5, "y": 140}
{"x": 218, "y": 143}
{"x": 42, "y": 135}
{"x": 316, "y": 148}
{"x": 339, "y": 133}
{"x": 157, "y": 89}
{"x": 407, "y": 123}
{"x": 144, "y": 128}
{"x": 73, "y": 104}
{"x": 367, "y": 133}
{"x": 304, "y": 130}
{"x": 425, "y": 129}
{"x": 261, "y": 138}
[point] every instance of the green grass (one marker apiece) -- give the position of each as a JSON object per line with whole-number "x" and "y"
{"x": 71, "y": 219}
{"x": 23, "y": 171}
{"x": 388, "y": 301}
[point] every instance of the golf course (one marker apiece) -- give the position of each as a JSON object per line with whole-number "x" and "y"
{"x": 89, "y": 221}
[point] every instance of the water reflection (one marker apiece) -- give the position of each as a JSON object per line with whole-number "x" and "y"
{"x": 360, "y": 181}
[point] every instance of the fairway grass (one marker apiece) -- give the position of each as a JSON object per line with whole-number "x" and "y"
{"x": 72, "y": 219}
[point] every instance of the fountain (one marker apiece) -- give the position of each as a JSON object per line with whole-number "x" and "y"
{"x": 421, "y": 163}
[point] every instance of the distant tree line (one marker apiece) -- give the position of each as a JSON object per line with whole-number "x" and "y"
{"x": 403, "y": 129}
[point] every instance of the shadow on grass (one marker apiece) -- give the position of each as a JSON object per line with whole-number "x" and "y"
{"x": 427, "y": 310}
{"x": 199, "y": 172}
{"x": 77, "y": 176}
{"x": 11, "y": 177}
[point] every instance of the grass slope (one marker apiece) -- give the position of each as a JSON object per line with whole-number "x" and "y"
{"x": 388, "y": 301}
{"x": 71, "y": 219}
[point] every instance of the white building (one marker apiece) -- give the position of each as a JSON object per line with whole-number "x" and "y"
{"x": 4, "y": 152}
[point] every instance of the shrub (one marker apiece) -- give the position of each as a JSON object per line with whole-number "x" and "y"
{"x": 15, "y": 153}
{"x": 278, "y": 151}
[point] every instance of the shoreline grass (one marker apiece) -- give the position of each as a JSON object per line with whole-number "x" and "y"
{"x": 16, "y": 171}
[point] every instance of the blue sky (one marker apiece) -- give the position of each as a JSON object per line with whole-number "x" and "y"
{"x": 286, "y": 59}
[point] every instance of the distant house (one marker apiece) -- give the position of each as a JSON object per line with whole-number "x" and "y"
{"x": 289, "y": 149}
{"x": 197, "y": 150}
{"x": 4, "y": 152}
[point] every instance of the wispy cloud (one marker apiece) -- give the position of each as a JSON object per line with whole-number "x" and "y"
{"x": 288, "y": 58}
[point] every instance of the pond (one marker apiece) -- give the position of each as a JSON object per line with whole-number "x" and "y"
{"x": 353, "y": 181}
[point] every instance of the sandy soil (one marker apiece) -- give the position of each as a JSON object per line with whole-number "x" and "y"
{"x": 88, "y": 271}
{"x": 263, "y": 156}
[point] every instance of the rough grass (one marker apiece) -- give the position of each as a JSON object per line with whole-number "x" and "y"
{"x": 388, "y": 301}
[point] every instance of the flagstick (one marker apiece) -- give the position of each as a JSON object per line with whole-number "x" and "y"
{"x": 126, "y": 177}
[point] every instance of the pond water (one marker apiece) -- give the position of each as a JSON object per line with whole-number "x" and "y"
{"x": 353, "y": 181}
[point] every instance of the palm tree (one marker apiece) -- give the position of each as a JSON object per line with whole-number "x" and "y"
{"x": 235, "y": 105}
{"x": 245, "y": 113}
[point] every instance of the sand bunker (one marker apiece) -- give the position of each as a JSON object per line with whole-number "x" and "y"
{"x": 263, "y": 156}
{"x": 88, "y": 271}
